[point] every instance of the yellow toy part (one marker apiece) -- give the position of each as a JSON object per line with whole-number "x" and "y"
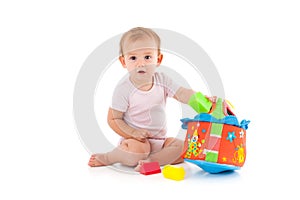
{"x": 173, "y": 172}
{"x": 229, "y": 104}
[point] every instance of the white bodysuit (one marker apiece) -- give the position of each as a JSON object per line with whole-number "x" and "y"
{"x": 145, "y": 109}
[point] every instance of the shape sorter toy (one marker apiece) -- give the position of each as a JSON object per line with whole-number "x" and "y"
{"x": 215, "y": 141}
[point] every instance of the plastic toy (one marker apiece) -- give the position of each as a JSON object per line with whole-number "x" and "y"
{"x": 215, "y": 141}
{"x": 200, "y": 103}
{"x": 173, "y": 172}
{"x": 150, "y": 168}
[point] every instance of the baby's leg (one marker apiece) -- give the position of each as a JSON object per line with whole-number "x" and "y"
{"x": 129, "y": 152}
{"x": 169, "y": 154}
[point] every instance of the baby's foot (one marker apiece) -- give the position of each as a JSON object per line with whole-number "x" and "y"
{"x": 140, "y": 163}
{"x": 95, "y": 160}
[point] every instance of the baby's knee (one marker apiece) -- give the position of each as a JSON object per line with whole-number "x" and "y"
{"x": 180, "y": 143}
{"x": 137, "y": 151}
{"x": 174, "y": 142}
{"x": 136, "y": 146}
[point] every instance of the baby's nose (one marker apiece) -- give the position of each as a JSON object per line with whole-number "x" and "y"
{"x": 140, "y": 63}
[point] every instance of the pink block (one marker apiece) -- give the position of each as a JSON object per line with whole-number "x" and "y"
{"x": 150, "y": 168}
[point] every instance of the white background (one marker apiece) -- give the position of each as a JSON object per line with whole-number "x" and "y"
{"x": 255, "y": 46}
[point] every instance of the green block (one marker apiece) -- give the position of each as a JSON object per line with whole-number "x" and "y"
{"x": 216, "y": 129}
{"x": 200, "y": 103}
{"x": 218, "y": 112}
{"x": 211, "y": 157}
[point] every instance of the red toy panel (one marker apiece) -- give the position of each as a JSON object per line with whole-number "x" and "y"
{"x": 196, "y": 140}
{"x": 229, "y": 149}
{"x": 233, "y": 146}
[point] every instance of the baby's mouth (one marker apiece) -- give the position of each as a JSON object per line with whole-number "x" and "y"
{"x": 141, "y": 71}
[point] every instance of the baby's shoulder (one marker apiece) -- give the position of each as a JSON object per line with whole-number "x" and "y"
{"x": 161, "y": 77}
{"x": 124, "y": 86}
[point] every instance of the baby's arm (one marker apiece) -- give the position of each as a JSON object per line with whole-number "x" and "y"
{"x": 199, "y": 102}
{"x": 183, "y": 95}
{"x": 117, "y": 123}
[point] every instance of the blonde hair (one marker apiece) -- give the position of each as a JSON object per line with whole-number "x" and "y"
{"x": 137, "y": 33}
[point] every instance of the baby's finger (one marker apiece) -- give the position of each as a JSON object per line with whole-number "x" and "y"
{"x": 145, "y": 134}
{"x": 141, "y": 140}
{"x": 149, "y": 134}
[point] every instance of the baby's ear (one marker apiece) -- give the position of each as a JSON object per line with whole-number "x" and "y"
{"x": 159, "y": 59}
{"x": 122, "y": 60}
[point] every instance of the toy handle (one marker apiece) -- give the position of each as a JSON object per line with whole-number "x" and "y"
{"x": 220, "y": 107}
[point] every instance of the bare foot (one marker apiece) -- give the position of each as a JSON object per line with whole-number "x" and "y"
{"x": 95, "y": 160}
{"x": 140, "y": 163}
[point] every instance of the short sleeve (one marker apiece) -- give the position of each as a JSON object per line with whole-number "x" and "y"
{"x": 170, "y": 86}
{"x": 120, "y": 98}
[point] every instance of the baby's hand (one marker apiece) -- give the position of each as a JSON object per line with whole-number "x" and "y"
{"x": 141, "y": 134}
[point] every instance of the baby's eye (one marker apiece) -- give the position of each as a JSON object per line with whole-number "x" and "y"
{"x": 132, "y": 58}
{"x": 147, "y": 57}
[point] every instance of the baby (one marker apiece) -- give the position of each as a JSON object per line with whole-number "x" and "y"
{"x": 137, "y": 112}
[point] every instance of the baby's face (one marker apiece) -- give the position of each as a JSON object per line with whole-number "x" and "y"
{"x": 141, "y": 58}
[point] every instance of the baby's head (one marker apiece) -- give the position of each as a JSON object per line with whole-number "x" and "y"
{"x": 149, "y": 38}
{"x": 140, "y": 52}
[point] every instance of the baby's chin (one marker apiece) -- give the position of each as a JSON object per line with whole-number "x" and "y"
{"x": 144, "y": 78}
